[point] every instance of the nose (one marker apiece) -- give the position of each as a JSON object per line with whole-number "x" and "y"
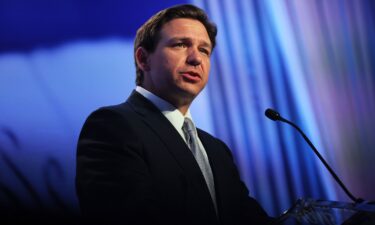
{"x": 194, "y": 58}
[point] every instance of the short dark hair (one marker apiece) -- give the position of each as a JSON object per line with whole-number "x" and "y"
{"x": 148, "y": 35}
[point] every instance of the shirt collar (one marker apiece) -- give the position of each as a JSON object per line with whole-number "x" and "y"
{"x": 175, "y": 117}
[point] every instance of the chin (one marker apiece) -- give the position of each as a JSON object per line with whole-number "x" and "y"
{"x": 191, "y": 90}
{"x": 187, "y": 93}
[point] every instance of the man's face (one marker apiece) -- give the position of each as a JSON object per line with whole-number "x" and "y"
{"x": 180, "y": 64}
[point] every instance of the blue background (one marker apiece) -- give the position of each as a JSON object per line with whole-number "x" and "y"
{"x": 311, "y": 60}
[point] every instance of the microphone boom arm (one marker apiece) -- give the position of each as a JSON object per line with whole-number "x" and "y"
{"x": 273, "y": 115}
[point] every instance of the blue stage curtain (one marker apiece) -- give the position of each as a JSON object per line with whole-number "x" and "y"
{"x": 313, "y": 61}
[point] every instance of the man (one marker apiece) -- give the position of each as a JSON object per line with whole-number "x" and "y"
{"x": 141, "y": 162}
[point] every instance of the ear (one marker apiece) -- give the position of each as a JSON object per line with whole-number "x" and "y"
{"x": 141, "y": 57}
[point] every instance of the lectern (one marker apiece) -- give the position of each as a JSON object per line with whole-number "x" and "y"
{"x": 320, "y": 212}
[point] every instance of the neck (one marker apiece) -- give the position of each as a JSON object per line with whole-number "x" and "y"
{"x": 183, "y": 109}
{"x": 180, "y": 102}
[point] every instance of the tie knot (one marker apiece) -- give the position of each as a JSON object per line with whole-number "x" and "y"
{"x": 189, "y": 125}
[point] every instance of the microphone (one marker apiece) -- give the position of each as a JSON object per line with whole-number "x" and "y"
{"x": 272, "y": 114}
{"x": 275, "y": 116}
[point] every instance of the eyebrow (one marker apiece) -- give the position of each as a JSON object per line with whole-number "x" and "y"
{"x": 201, "y": 42}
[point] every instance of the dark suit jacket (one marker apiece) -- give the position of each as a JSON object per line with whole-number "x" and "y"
{"x": 133, "y": 167}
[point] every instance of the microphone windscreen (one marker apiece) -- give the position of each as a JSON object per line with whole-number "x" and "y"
{"x": 272, "y": 114}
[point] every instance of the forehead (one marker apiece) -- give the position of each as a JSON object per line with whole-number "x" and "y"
{"x": 185, "y": 27}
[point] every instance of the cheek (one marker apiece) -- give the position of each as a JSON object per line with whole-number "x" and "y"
{"x": 206, "y": 68}
{"x": 168, "y": 63}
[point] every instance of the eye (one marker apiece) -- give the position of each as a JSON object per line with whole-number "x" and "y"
{"x": 205, "y": 51}
{"x": 180, "y": 45}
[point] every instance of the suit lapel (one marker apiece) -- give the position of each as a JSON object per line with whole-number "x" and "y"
{"x": 168, "y": 134}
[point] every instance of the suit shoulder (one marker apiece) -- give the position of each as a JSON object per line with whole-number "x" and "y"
{"x": 113, "y": 111}
{"x": 116, "y": 118}
{"x": 212, "y": 140}
{"x": 117, "y": 109}
{"x": 110, "y": 124}
{"x": 209, "y": 136}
